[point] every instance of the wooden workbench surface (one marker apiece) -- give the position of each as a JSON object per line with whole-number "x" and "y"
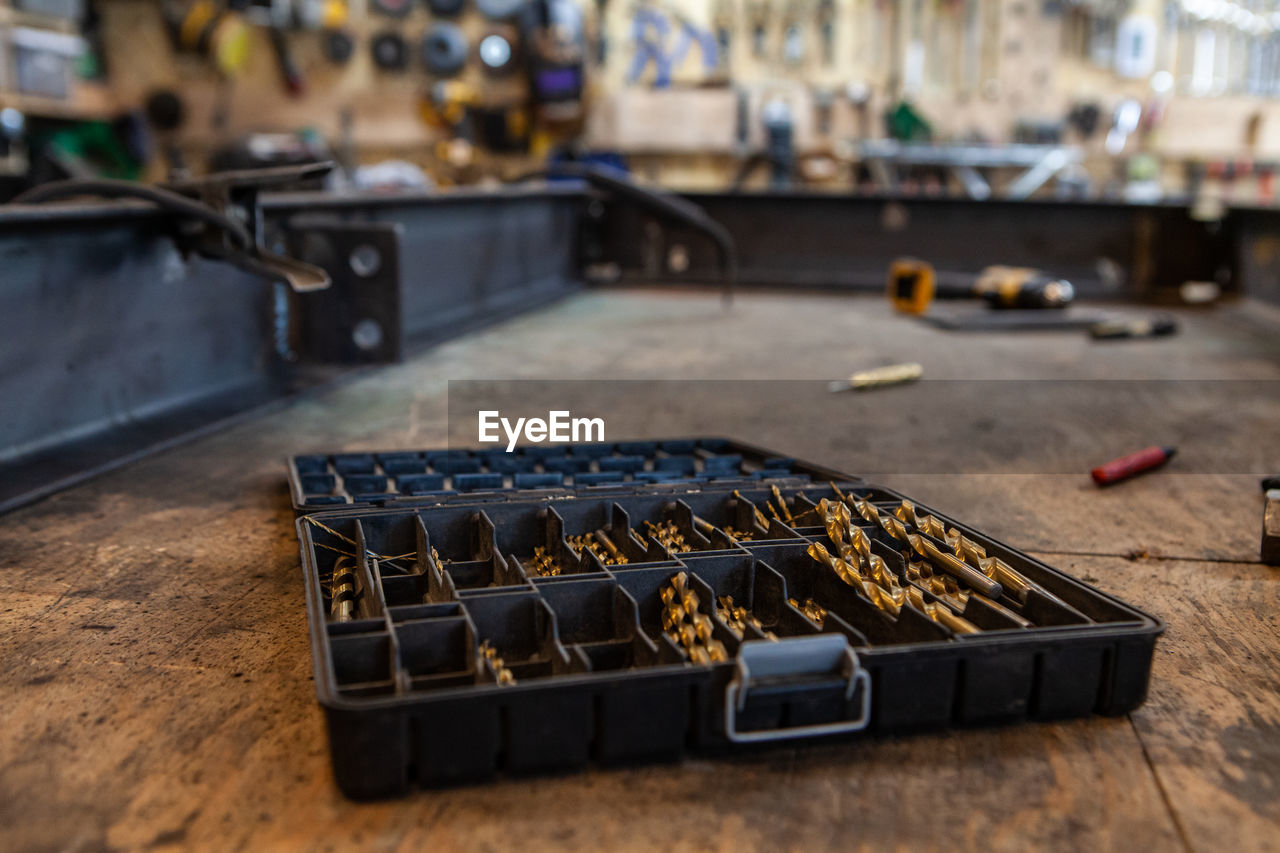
{"x": 156, "y": 672}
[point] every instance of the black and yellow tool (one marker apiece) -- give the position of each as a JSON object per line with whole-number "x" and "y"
{"x": 914, "y": 284}
{"x": 214, "y": 30}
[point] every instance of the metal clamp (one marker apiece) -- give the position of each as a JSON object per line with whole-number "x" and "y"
{"x": 823, "y": 654}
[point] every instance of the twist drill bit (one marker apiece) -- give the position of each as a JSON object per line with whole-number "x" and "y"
{"x": 878, "y": 596}
{"x": 882, "y": 586}
{"x": 761, "y": 519}
{"x": 888, "y": 523}
{"x": 1013, "y": 582}
{"x": 738, "y": 618}
{"x": 944, "y": 587}
{"x": 500, "y": 671}
{"x": 668, "y": 535}
{"x": 609, "y": 553}
{"x": 954, "y": 566}
{"x": 686, "y": 625}
{"x": 924, "y": 523}
{"x": 544, "y": 563}
{"x": 947, "y": 590}
{"x": 615, "y": 553}
{"x": 738, "y": 535}
{"x": 342, "y": 590}
{"x": 782, "y": 504}
{"x": 857, "y": 548}
{"x": 708, "y": 528}
{"x": 811, "y": 609}
{"x": 940, "y": 614}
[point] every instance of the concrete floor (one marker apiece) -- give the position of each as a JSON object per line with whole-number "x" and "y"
{"x": 156, "y": 665}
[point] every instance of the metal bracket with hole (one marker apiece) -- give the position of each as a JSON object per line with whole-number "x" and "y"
{"x": 791, "y": 660}
{"x": 357, "y": 319}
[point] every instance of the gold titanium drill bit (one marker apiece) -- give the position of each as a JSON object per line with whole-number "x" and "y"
{"x": 342, "y": 590}
{"x": 689, "y": 628}
{"x": 954, "y": 566}
{"x": 854, "y": 546}
{"x": 811, "y": 609}
{"x": 943, "y": 586}
{"x": 947, "y": 590}
{"x": 616, "y": 557}
{"x": 888, "y": 523}
{"x": 738, "y": 618}
{"x": 782, "y": 504}
{"x": 708, "y": 528}
{"x": 940, "y": 614}
{"x": 544, "y": 563}
{"x": 761, "y": 519}
{"x": 873, "y": 591}
{"x": 500, "y": 671}
{"x": 924, "y": 523}
{"x": 1013, "y": 582}
{"x": 880, "y": 584}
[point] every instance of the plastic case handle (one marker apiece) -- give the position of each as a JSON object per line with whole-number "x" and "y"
{"x": 823, "y": 654}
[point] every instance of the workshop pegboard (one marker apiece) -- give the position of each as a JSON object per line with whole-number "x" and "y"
{"x": 525, "y": 632}
{"x": 386, "y": 478}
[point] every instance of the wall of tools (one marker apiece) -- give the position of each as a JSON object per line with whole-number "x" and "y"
{"x": 688, "y": 91}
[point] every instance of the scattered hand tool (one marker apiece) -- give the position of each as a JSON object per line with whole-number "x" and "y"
{"x": 877, "y": 377}
{"x": 1132, "y": 465}
{"x": 1118, "y": 329}
{"x": 914, "y": 284}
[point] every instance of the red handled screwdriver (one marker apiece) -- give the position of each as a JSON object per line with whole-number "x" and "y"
{"x": 1132, "y": 465}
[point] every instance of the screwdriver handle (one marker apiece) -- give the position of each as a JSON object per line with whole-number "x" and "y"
{"x": 1132, "y": 465}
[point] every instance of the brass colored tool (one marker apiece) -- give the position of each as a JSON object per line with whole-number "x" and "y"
{"x": 897, "y": 528}
{"x": 940, "y": 614}
{"x": 924, "y": 523}
{"x": 703, "y": 525}
{"x": 878, "y": 595}
{"x": 943, "y": 586}
{"x": 544, "y": 563}
{"x": 760, "y": 517}
{"x": 782, "y": 504}
{"x": 342, "y": 590}
{"x": 616, "y": 557}
{"x": 810, "y": 608}
{"x": 1010, "y": 579}
{"x": 686, "y": 625}
{"x": 708, "y": 528}
{"x": 500, "y": 670}
{"x": 609, "y": 554}
{"x": 668, "y": 535}
{"x": 953, "y": 565}
{"x": 888, "y": 523}
{"x": 738, "y": 618}
{"x": 948, "y": 591}
{"x": 878, "y": 377}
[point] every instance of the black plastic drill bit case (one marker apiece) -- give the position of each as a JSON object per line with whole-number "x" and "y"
{"x": 411, "y": 699}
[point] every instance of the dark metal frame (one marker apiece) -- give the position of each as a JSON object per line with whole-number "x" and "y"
{"x": 845, "y": 242}
{"x": 118, "y": 343}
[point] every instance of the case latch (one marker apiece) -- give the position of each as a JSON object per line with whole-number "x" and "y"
{"x": 796, "y": 657}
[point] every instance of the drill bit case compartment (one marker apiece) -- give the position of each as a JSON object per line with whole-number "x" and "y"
{"x": 397, "y": 477}
{"x": 525, "y": 631}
